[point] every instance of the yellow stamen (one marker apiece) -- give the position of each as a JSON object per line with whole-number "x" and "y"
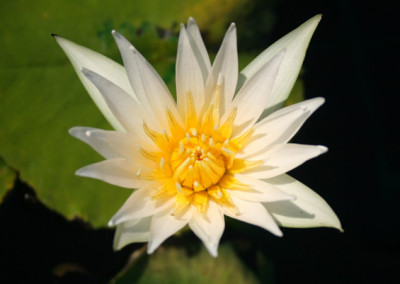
{"x": 240, "y": 165}
{"x": 226, "y": 128}
{"x": 240, "y": 141}
{"x": 192, "y": 120}
{"x": 157, "y": 138}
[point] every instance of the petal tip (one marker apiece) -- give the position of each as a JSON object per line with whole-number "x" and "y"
{"x": 116, "y": 34}
{"x": 151, "y": 248}
{"x": 73, "y": 131}
{"x": 323, "y": 149}
{"x": 318, "y": 17}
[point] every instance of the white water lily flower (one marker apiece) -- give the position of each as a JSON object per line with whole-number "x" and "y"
{"x": 209, "y": 154}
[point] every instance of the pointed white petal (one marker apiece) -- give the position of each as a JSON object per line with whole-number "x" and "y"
{"x": 134, "y": 231}
{"x": 121, "y": 172}
{"x": 147, "y": 84}
{"x": 310, "y": 106}
{"x": 82, "y": 57}
{"x": 140, "y": 204}
{"x": 279, "y": 127}
{"x": 198, "y": 48}
{"x": 99, "y": 145}
{"x": 254, "y": 213}
{"x": 225, "y": 65}
{"x": 126, "y": 144}
{"x": 308, "y": 210}
{"x": 163, "y": 225}
{"x": 255, "y": 94}
{"x": 283, "y": 158}
{"x": 209, "y": 228}
{"x": 188, "y": 76}
{"x": 132, "y": 69}
{"x": 296, "y": 43}
{"x": 126, "y": 109}
{"x": 260, "y": 191}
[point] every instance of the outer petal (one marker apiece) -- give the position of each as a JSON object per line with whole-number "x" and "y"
{"x": 209, "y": 228}
{"x": 283, "y": 158}
{"x": 255, "y": 94}
{"x": 279, "y": 127}
{"x": 260, "y": 191}
{"x": 82, "y": 57}
{"x": 188, "y": 76}
{"x": 145, "y": 81}
{"x": 296, "y": 43}
{"x": 140, "y": 205}
{"x": 126, "y": 145}
{"x": 254, "y": 213}
{"x": 129, "y": 58}
{"x": 127, "y": 110}
{"x": 135, "y": 231}
{"x": 164, "y": 225}
{"x": 121, "y": 172}
{"x": 226, "y": 65}
{"x": 308, "y": 210}
{"x": 198, "y": 48}
{"x": 99, "y": 145}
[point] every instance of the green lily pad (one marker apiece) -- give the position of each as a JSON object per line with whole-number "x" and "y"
{"x": 170, "y": 265}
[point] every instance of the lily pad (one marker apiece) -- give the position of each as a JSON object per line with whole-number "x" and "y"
{"x": 177, "y": 265}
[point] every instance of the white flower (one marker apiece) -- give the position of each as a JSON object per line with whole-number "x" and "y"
{"x": 212, "y": 153}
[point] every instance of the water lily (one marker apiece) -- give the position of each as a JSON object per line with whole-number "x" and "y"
{"x": 220, "y": 149}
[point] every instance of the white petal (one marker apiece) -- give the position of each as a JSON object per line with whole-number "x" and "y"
{"x": 82, "y": 57}
{"x": 260, "y": 191}
{"x": 283, "y": 158}
{"x": 163, "y": 225}
{"x": 125, "y": 144}
{"x": 226, "y": 65}
{"x": 121, "y": 172}
{"x": 126, "y": 109}
{"x": 254, "y": 213}
{"x": 254, "y": 95}
{"x": 154, "y": 94}
{"x": 308, "y": 210}
{"x": 296, "y": 43}
{"x": 130, "y": 63}
{"x": 198, "y": 48}
{"x": 140, "y": 204}
{"x": 209, "y": 228}
{"x": 279, "y": 127}
{"x": 134, "y": 231}
{"x": 188, "y": 76}
{"x": 99, "y": 145}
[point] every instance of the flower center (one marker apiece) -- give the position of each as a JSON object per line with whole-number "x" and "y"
{"x": 197, "y": 162}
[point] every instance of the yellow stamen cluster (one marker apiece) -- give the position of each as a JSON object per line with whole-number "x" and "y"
{"x": 197, "y": 162}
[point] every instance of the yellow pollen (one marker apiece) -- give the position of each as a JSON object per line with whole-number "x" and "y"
{"x": 196, "y": 162}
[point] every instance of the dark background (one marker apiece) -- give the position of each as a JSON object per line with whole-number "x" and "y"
{"x": 352, "y": 61}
